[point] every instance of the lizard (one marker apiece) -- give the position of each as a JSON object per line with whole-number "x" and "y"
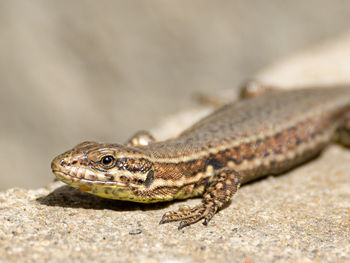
{"x": 268, "y": 132}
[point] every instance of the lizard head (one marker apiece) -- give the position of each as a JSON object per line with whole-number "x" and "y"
{"x": 108, "y": 170}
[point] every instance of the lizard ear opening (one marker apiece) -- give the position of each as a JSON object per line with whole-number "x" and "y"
{"x": 149, "y": 178}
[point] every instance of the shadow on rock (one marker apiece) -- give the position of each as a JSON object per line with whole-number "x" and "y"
{"x": 66, "y": 196}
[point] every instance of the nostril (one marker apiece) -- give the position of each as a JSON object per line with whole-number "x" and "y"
{"x": 123, "y": 178}
{"x": 63, "y": 163}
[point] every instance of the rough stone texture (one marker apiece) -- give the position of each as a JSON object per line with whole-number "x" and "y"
{"x": 300, "y": 216}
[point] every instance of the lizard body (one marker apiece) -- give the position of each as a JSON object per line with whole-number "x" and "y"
{"x": 237, "y": 143}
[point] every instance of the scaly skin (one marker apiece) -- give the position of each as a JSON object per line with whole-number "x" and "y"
{"x": 237, "y": 143}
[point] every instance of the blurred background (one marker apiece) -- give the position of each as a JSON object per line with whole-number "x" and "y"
{"x": 100, "y": 70}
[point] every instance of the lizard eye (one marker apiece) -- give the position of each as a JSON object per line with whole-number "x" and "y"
{"x": 107, "y": 160}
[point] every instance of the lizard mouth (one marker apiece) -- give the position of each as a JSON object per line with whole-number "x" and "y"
{"x": 105, "y": 189}
{"x": 75, "y": 175}
{"x": 69, "y": 179}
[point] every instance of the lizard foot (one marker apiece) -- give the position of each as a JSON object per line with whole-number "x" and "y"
{"x": 188, "y": 216}
{"x": 224, "y": 184}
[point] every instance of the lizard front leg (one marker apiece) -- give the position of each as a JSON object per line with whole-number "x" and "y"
{"x": 219, "y": 191}
{"x": 254, "y": 88}
{"x": 141, "y": 138}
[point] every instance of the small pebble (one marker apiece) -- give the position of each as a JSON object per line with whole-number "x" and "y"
{"x": 136, "y": 231}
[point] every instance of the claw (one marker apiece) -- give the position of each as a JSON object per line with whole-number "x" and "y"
{"x": 181, "y": 226}
{"x": 206, "y": 220}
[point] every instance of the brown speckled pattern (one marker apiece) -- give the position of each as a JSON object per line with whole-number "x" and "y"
{"x": 253, "y": 117}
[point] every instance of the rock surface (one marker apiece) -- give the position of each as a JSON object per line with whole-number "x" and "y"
{"x": 300, "y": 216}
